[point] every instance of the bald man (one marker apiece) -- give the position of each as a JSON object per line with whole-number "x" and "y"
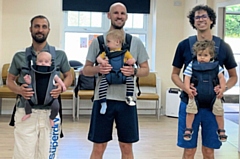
{"x": 118, "y": 110}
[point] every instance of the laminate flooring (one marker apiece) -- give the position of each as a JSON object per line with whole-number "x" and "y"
{"x": 157, "y": 140}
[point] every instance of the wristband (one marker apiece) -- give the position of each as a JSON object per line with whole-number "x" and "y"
{"x": 135, "y": 71}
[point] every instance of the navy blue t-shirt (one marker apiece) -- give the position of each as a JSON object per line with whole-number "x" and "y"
{"x": 183, "y": 55}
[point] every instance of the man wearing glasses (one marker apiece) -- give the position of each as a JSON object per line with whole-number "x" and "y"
{"x": 202, "y": 18}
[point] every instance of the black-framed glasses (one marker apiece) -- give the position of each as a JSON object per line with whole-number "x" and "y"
{"x": 204, "y": 17}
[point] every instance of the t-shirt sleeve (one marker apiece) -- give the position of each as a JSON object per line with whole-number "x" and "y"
{"x": 138, "y": 50}
{"x": 64, "y": 63}
{"x": 93, "y": 51}
{"x": 229, "y": 61}
{"x": 128, "y": 55}
{"x": 188, "y": 70}
{"x": 178, "y": 59}
{"x": 220, "y": 69}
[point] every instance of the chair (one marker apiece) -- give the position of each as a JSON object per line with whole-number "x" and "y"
{"x": 5, "y": 72}
{"x": 152, "y": 90}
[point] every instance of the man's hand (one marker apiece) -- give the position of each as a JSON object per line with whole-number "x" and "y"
{"x": 219, "y": 91}
{"x": 26, "y": 92}
{"x": 57, "y": 91}
{"x": 194, "y": 90}
{"x": 105, "y": 69}
{"x": 127, "y": 70}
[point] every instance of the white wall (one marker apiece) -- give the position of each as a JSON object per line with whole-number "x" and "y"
{"x": 16, "y": 16}
{"x": 169, "y": 32}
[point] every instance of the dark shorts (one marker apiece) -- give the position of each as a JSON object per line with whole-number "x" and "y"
{"x": 204, "y": 118}
{"x": 125, "y": 117}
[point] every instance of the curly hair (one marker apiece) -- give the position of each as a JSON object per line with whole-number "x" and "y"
{"x": 203, "y": 45}
{"x": 210, "y": 12}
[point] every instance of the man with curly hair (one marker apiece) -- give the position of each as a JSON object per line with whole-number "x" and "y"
{"x": 202, "y": 18}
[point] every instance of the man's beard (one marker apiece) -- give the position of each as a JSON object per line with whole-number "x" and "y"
{"x": 117, "y": 27}
{"x": 39, "y": 40}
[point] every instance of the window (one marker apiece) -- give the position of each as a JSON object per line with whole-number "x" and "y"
{"x": 80, "y": 28}
{"x": 232, "y": 35}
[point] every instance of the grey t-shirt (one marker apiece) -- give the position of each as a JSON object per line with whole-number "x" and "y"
{"x": 19, "y": 61}
{"x": 117, "y": 92}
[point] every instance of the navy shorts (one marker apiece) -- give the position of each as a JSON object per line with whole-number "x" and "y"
{"x": 204, "y": 118}
{"x": 125, "y": 117}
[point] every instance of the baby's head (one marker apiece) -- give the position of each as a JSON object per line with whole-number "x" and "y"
{"x": 44, "y": 59}
{"x": 204, "y": 50}
{"x": 115, "y": 39}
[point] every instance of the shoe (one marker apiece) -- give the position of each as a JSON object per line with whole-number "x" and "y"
{"x": 188, "y": 136}
{"x": 130, "y": 101}
{"x": 222, "y": 138}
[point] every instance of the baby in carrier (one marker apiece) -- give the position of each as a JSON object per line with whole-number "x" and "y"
{"x": 42, "y": 78}
{"x": 205, "y": 73}
{"x": 115, "y": 40}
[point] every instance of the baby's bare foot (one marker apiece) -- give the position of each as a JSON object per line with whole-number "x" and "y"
{"x": 51, "y": 122}
{"x": 26, "y": 116}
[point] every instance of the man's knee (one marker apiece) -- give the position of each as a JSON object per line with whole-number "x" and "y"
{"x": 208, "y": 153}
{"x": 99, "y": 147}
{"x": 126, "y": 148}
{"x": 189, "y": 153}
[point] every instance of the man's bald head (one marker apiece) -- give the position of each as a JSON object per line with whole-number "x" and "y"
{"x": 117, "y": 4}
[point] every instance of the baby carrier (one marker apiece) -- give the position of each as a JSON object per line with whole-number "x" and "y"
{"x": 40, "y": 75}
{"x": 116, "y": 60}
{"x": 205, "y": 78}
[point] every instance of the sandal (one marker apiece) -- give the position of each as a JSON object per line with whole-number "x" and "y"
{"x": 188, "y": 136}
{"x": 222, "y": 138}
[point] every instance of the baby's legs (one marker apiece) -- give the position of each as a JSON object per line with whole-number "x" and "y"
{"x": 54, "y": 111}
{"x": 103, "y": 94}
{"x": 191, "y": 111}
{"x": 218, "y": 112}
{"x": 130, "y": 90}
{"x": 28, "y": 111}
{"x": 220, "y": 122}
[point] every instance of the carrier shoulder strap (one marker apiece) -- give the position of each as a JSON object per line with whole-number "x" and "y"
{"x": 193, "y": 39}
{"x": 101, "y": 43}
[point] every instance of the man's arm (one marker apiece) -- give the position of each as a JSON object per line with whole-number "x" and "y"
{"x": 176, "y": 79}
{"x": 232, "y": 78}
{"x": 222, "y": 83}
{"x": 22, "y": 90}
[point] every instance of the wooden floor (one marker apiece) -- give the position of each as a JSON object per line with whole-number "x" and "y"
{"x": 157, "y": 140}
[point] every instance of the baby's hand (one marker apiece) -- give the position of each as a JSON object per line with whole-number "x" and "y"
{"x": 27, "y": 79}
{"x": 104, "y": 62}
{"x": 131, "y": 61}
